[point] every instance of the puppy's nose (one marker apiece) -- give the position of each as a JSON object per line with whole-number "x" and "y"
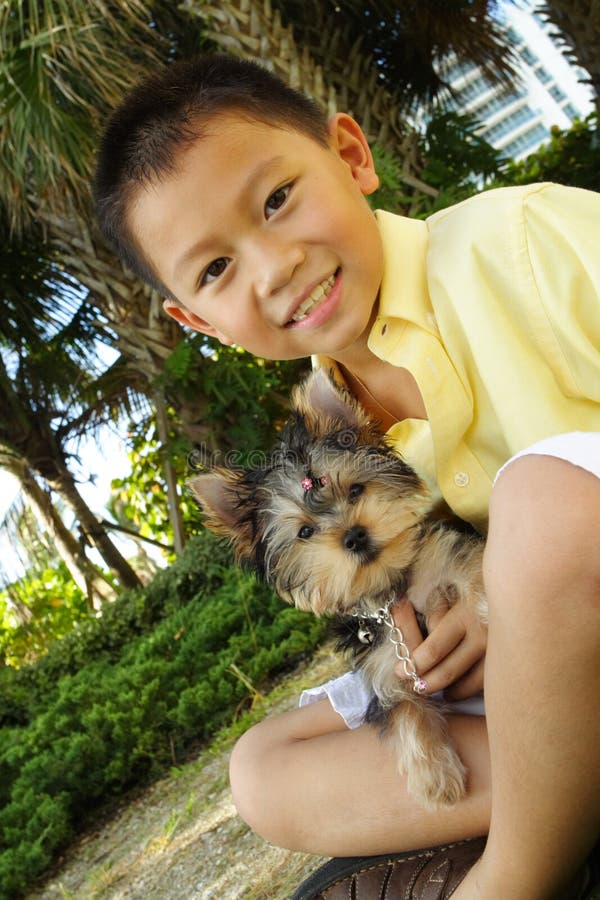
{"x": 356, "y": 539}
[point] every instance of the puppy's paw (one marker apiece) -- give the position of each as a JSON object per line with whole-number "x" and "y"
{"x": 426, "y": 757}
{"x": 445, "y": 788}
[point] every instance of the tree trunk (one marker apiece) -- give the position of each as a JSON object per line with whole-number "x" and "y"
{"x": 85, "y": 575}
{"x": 27, "y": 436}
{"x": 172, "y": 495}
{"x": 64, "y": 485}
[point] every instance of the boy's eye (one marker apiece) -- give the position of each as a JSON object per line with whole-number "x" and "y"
{"x": 277, "y": 199}
{"x": 355, "y": 491}
{"x": 306, "y": 531}
{"x": 212, "y": 271}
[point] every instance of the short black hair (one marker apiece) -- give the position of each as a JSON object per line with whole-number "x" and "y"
{"x": 168, "y": 110}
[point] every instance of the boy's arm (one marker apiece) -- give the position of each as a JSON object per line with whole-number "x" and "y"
{"x": 451, "y": 657}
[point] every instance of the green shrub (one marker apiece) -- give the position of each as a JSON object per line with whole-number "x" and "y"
{"x": 200, "y": 569}
{"x": 570, "y": 156}
{"x": 110, "y": 706}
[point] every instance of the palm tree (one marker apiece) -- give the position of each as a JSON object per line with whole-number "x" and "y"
{"x": 404, "y": 40}
{"x": 88, "y": 578}
{"x": 31, "y": 443}
{"x": 63, "y": 66}
{"x": 30, "y": 440}
{"x": 46, "y": 380}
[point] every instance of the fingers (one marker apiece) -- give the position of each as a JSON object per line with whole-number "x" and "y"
{"x": 452, "y": 667}
{"x": 405, "y": 619}
{"x": 470, "y": 684}
{"x": 437, "y": 615}
{"x": 452, "y": 653}
{"x": 446, "y": 631}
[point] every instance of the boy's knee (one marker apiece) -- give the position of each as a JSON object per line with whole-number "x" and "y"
{"x": 246, "y": 776}
{"x": 254, "y": 771}
{"x": 543, "y": 526}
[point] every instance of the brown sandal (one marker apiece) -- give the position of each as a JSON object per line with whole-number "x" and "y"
{"x": 432, "y": 874}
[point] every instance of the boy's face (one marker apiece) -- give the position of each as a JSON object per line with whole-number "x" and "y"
{"x": 265, "y": 237}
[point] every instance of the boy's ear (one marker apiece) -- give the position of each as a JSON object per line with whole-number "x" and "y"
{"x": 348, "y": 140}
{"x": 185, "y": 317}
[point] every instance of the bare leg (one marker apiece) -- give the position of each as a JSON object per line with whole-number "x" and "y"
{"x": 542, "y": 680}
{"x": 304, "y": 781}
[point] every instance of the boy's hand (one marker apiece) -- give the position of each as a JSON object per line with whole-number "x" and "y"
{"x": 451, "y": 657}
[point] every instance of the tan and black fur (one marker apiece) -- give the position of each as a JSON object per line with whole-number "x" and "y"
{"x": 361, "y": 533}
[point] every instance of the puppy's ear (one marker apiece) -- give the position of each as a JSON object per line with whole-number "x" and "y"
{"x": 326, "y": 405}
{"x": 219, "y": 496}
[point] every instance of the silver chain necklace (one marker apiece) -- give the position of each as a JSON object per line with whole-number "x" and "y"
{"x": 383, "y": 616}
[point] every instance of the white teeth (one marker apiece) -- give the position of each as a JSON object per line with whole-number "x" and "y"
{"x": 317, "y": 294}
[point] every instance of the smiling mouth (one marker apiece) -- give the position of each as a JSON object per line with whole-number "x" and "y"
{"x": 314, "y": 299}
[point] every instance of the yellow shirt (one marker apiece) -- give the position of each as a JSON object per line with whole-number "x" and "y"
{"x": 493, "y": 305}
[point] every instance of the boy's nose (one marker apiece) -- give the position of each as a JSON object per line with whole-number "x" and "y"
{"x": 274, "y": 266}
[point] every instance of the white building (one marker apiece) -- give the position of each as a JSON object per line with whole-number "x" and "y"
{"x": 549, "y": 91}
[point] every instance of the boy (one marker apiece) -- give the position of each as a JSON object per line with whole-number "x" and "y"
{"x": 470, "y": 337}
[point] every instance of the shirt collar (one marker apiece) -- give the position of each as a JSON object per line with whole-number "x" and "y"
{"x": 404, "y": 292}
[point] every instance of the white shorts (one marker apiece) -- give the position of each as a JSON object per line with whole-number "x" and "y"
{"x": 349, "y": 695}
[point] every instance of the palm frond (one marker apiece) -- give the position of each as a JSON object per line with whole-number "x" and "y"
{"x": 38, "y": 296}
{"x": 63, "y": 65}
{"x": 406, "y": 38}
{"x": 104, "y": 400}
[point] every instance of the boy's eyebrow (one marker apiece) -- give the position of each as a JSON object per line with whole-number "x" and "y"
{"x": 254, "y": 176}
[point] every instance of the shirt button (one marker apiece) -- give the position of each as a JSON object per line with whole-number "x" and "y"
{"x": 384, "y": 329}
{"x": 461, "y": 479}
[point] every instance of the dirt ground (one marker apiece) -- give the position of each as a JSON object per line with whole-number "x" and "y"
{"x": 182, "y": 839}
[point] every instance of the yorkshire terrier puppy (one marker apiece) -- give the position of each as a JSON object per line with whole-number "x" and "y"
{"x": 337, "y": 523}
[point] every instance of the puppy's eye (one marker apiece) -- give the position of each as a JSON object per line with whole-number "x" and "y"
{"x": 355, "y": 492}
{"x": 306, "y": 531}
